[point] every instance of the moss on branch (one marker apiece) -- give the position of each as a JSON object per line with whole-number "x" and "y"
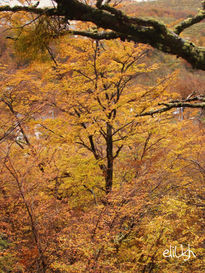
{"x": 141, "y": 30}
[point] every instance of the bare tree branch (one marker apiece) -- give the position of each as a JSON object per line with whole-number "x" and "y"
{"x": 118, "y": 151}
{"x": 190, "y": 22}
{"x": 176, "y": 104}
{"x": 103, "y": 35}
{"x": 31, "y": 9}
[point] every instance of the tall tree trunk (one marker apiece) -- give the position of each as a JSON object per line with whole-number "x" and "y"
{"x": 109, "y": 155}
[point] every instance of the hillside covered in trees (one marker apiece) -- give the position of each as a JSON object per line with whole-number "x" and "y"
{"x": 102, "y": 158}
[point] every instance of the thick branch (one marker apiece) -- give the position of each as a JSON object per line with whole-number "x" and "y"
{"x": 189, "y": 22}
{"x": 176, "y": 104}
{"x": 31, "y": 9}
{"x": 147, "y": 31}
{"x": 151, "y": 32}
{"x": 103, "y": 35}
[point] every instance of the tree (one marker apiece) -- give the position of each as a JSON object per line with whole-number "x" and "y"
{"x": 96, "y": 91}
{"x": 107, "y": 16}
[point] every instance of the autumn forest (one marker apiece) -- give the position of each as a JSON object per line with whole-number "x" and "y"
{"x": 102, "y": 133}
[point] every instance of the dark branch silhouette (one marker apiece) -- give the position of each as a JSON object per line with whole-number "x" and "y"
{"x": 194, "y": 102}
